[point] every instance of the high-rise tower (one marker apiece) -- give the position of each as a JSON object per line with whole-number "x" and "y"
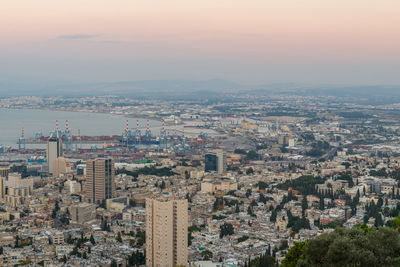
{"x": 53, "y": 151}
{"x": 99, "y": 184}
{"x": 215, "y": 161}
{"x": 166, "y": 232}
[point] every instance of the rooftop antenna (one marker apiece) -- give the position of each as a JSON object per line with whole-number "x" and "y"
{"x": 57, "y": 128}
{"x": 148, "y": 131}
{"x": 137, "y": 133}
{"x": 79, "y": 138}
{"x": 68, "y": 136}
{"x": 21, "y": 141}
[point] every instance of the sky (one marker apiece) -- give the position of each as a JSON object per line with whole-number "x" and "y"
{"x": 246, "y": 41}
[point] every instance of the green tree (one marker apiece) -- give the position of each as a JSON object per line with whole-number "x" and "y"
{"x": 249, "y": 171}
{"x": 55, "y": 210}
{"x": 74, "y": 251}
{"x": 396, "y": 223}
{"x": 119, "y": 238}
{"x": 250, "y": 210}
{"x": 190, "y": 238}
{"x": 304, "y": 184}
{"x": 304, "y": 205}
{"x": 242, "y": 238}
{"x": 240, "y": 151}
{"x": 92, "y": 239}
{"x": 69, "y": 239}
{"x": 237, "y": 209}
{"x": 264, "y": 260}
{"x": 262, "y": 198}
{"x": 248, "y": 193}
{"x": 274, "y": 214}
{"x": 349, "y": 247}
{"x": 252, "y": 155}
{"x": 294, "y": 254}
{"x": 153, "y": 170}
{"x": 136, "y": 258}
{"x": 114, "y": 263}
{"x": 104, "y": 225}
{"x": 218, "y": 204}
{"x": 226, "y": 229}
{"x": 162, "y": 186}
{"x": 16, "y": 241}
{"x": 206, "y": 255}
{"x": 141, "y": 238}
{"x": 284, "y": 245}
{"x": 321, "y": 203}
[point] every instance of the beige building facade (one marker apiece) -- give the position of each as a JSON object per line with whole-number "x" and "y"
{"x": 99, "y": 183}
{"x": 214, "y": 186}
{"x": 73, "y": 186}
{"x": 54, "y": 150}
{"x": 4, "y": 171}
{"x": 82, "y": 212}
{"x": 61, "y": 165}
{"x": 166, "y": 232}
{"x": 15, "y": 190}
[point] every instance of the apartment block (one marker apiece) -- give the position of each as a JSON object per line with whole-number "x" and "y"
{"x": 166, "y": 232}
{"x": 99, "y": 183}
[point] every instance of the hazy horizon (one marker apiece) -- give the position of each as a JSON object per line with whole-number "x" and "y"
{"x": 247, "y": 42}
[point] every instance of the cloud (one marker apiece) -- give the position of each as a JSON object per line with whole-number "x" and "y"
{"x": 112, "y": 42}
{"x": 77, "y": 36}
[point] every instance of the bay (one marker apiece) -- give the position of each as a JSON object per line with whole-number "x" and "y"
{"x": 44, "y": 121}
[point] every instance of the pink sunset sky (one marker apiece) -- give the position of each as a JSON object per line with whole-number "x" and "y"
{"x": 253, "y": 41}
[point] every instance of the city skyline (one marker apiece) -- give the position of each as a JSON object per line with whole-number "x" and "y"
{"x": 206, "y": 133}
{"x": 253, "y": 176}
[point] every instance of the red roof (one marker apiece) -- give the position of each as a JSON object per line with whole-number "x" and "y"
{"x": 325, "y": 221}
{"x": 294, "y": 192}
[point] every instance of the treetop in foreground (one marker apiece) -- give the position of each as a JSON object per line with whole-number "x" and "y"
{"x": 348, "y": 247}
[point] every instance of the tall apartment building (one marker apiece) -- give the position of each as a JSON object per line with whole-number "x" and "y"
{"x": 73, "y": 187}
{"x": 215, "y": 161}
{"x": 15, "y": 190}
{"x": 166, "y": 232}
{"x": 61, "y": 165}
{"x": 53, "y": 151}
{"x": 4, "y": 172}
{"x": 82, "y": 212}
{"x": 3, "y": 178}
{"x": 99, "y": 183}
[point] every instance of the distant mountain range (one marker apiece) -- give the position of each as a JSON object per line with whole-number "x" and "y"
{"x": 128, "y": 88}
{"x": 189, "y": 89}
